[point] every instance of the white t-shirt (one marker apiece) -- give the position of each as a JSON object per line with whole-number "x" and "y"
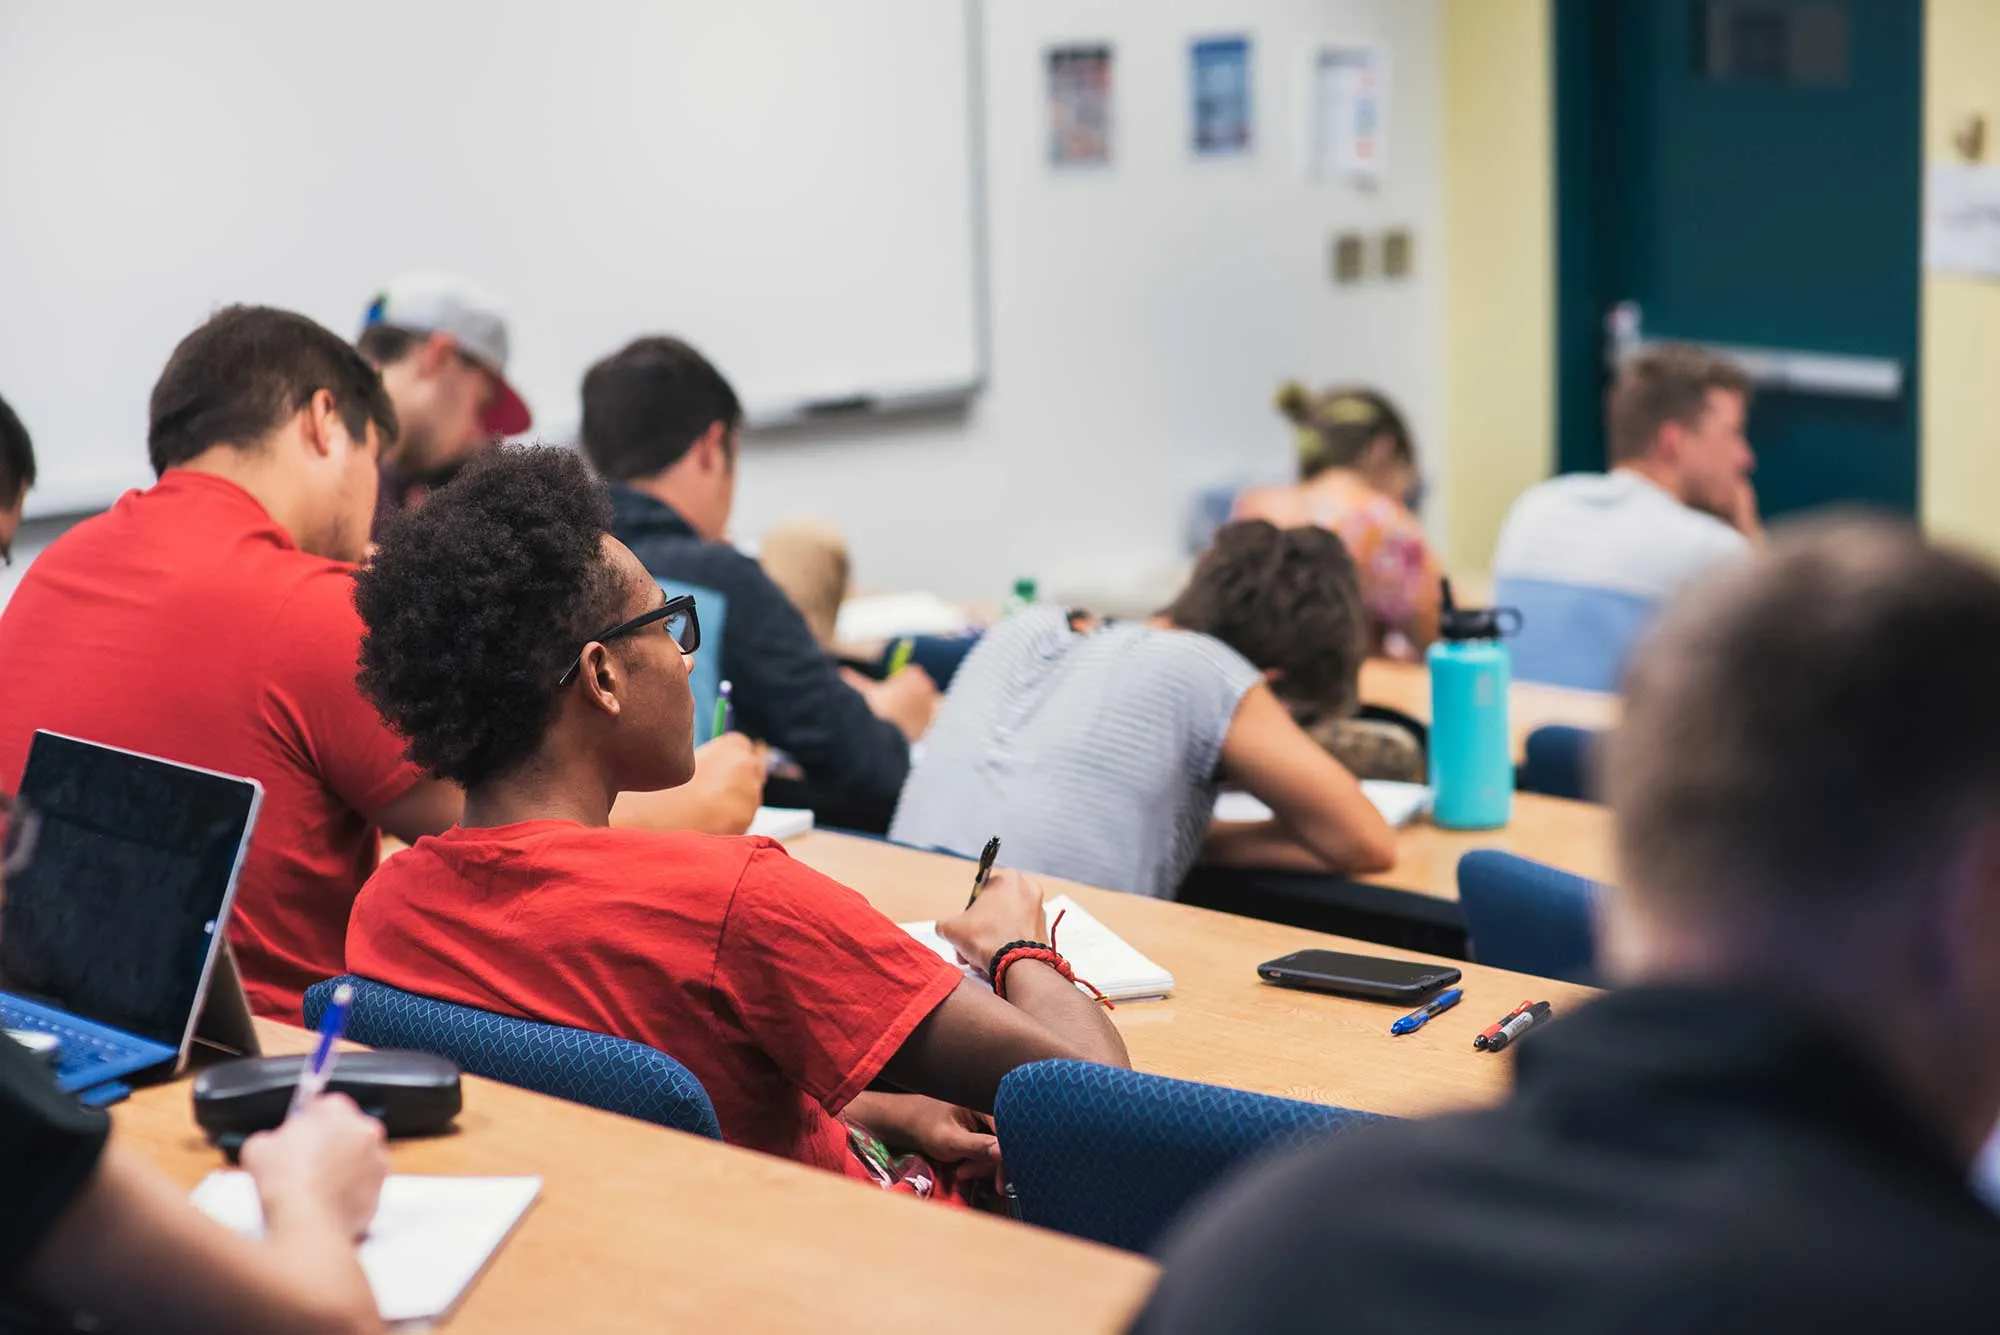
{"x": 1615, "y": 531}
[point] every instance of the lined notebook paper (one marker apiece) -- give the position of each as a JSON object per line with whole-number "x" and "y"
{"x": 430, "y": 1238}
{"x": 1399, "y": 803}
{"x": 782, "y": 822}
{"x": 1093, "y": 950}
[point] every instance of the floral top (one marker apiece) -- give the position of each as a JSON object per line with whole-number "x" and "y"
{"x": 1399, "y": 572}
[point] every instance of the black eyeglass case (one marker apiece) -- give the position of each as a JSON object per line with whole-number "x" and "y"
{"x": 410, "y": 1093}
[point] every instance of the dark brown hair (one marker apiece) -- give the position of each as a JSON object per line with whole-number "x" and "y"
{"x": 1813, "y": 727}
{"x": 242, "y": 374}
{"x": 1669, "y": 383}
{"x": 17, "y": 457}
{"x": 646, "y": 405}
{"x": 1337, "y": 426}
{"x": 1288, "y": 599}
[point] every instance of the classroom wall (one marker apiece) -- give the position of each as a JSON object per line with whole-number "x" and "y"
{"x": 1498, "y": 226}
{"x": 1143, "y": 314}
{"x": 1960, "y": 468}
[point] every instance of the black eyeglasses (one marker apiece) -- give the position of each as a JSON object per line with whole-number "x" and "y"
{"x": 682, "y": 624}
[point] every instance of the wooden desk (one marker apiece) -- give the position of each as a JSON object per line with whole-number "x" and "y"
{"x": 1223, "y": 1024}
{"x": 1407, "y": 687}
{"x": 639, "y": 1228}
{"x": 1575, "y": 836}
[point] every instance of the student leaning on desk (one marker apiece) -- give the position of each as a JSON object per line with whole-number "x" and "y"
{"x": 525, "y": 653}
{"x": 88, "y": 1227}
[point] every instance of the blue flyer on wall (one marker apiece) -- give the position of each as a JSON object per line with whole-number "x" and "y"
{"x": 1219, "y": 82}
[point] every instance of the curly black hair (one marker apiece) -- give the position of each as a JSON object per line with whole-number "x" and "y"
{"x": 1288, "y": 599}
{"x": 477, "y": 602}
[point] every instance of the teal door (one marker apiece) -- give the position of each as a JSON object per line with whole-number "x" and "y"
{"x": 1747, "y": 174}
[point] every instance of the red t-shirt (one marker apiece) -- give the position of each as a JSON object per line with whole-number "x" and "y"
{"x": 184, "y": 623}
{"x": 783, "y": 991}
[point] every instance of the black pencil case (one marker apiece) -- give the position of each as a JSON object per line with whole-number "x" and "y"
{"x": 410, "y": 1093}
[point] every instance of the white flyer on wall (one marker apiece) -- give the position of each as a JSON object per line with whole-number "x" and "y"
{"x": 1350, "y": 112}
{"x": 1962, "y": 219}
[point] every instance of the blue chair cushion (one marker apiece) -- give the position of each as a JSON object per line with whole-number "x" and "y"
{"x": 1530, "y": 918}
{"x": 614, "y": 1074}
{"x": 1114, "y": 1155}
{"x": 1572, "y": 635}
{"x": 1556, "y": 762}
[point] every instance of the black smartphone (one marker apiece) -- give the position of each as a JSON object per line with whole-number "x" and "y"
{"x": 1364, "y": 976}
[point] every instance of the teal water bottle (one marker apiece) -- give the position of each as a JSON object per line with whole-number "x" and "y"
{"x": 1471, "y": 749}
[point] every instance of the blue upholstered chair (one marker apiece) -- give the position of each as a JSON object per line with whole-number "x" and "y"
{"x": 1114, "y": 1155}
{"x": 1527, "y": 917}
{"x": 712, "y": 610}
{"x": 614, "y": 1074}
{"x": 1556, "y": 762}
{"x": 1572, "y": 635}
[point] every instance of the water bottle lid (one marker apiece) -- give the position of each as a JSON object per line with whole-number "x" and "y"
{"x": 1474, "y": 623}
{"x": 1024, "y": 589}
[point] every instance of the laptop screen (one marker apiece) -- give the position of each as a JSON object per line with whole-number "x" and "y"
{"x": 115, "y": 916}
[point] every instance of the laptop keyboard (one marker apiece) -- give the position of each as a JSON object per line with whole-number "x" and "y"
{"x": 80, "y": 1048}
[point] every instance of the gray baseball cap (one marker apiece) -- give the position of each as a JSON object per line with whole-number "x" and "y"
{"x": 442, "y": 303}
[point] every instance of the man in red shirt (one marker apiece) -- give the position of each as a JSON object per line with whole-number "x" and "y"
{"x": 210, "y": 620}
{"x": 785, "y": 993}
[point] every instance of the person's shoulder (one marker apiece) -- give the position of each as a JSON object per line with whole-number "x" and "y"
{"x": 1183, "y": 652}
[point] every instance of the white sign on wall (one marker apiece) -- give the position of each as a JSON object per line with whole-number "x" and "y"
{"x": 1962, "y": 220}
{"x": 1350, "y": 110}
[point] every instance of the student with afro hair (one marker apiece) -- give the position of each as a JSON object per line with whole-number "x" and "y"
{"x": 526, "y": 654}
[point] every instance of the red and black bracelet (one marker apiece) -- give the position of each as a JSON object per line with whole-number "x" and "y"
{"x": 1004, "y": 958}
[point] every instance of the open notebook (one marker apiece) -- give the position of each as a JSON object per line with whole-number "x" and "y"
{"x": 430, "y": 1238}
{"x": 1399, "y": 803}
{"x": 1092, "y": 949}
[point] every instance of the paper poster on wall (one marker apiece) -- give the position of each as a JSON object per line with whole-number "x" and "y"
{"x": 1079, "y": 105}
{"x": 1350, "y": 113}
{"x": 1962, "y": 220}
{"x": 1219, "y": 95}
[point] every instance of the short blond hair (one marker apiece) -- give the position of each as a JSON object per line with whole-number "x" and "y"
{"x": 1668, "y": 383}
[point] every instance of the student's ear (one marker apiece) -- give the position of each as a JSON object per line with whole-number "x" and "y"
{"x": 602, "y": 682}
{"x": 434, "y": 352}
{"x": 714, "y": 447}
{"x": 321, "y": 421}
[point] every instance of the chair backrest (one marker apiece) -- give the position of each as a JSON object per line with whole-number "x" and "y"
{"x": 1572, "y": 635}
{"x": 1114, "y": 1155}
{"x": 1527, "y": 917}
{"x": 712, "y": 609}
{"x": 1556, "y": 763}
{"x": 614, "y": 1074}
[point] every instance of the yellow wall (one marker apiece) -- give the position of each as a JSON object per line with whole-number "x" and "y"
{"x": 1961, "y": 316}
{"x": 1499, "y": 258}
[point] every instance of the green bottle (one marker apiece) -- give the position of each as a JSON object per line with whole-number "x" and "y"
{"x": 1022, "y": 597}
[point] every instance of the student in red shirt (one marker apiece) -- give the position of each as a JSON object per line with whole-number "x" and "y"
{"x": 527, "y": 654}
{"x": 210, "y": 620}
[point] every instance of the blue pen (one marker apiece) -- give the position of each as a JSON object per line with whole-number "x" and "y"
{"x": 319, "y": 1064}
{"x": 1416, "y": 1020}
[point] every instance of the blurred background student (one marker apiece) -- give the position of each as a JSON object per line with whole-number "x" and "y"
{"x": 1358, "y": 477}
{"x": 1096, "y": 753}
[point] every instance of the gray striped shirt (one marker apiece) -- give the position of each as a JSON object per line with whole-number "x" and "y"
{"x": 1092, "y": 756}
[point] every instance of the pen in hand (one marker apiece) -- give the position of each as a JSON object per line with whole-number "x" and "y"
{"x": 318, "y": 1069}
{"x": 986, "y": 857}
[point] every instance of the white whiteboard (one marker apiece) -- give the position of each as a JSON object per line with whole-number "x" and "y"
{"x": 790, "y": 184}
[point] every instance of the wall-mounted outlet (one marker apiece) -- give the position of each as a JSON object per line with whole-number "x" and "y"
{"x": 1396, "y": 245}
{"x": 1350, "y": 255}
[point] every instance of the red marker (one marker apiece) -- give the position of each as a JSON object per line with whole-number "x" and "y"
{"x": 1520, "y": 1025}
{"x": 1492, "y": 1031}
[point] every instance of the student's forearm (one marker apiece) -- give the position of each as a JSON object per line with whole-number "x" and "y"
{"x": 1078, "y": 1021}
{"x": 1268, "y": 845}
{"x": 132, "y": 1251}
{"x": 690, "y": 807}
